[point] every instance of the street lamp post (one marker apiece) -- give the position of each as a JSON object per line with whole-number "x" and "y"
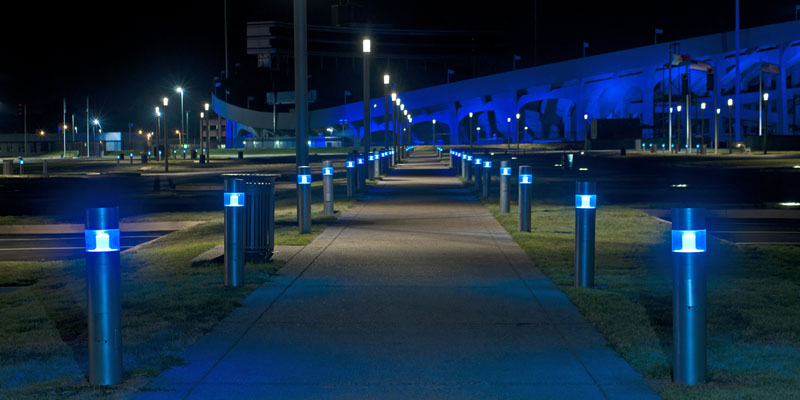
{"x": 508, "y": 141}
{"x": 208, "y": 136}
{"x": 166, "y": 136}
{"x": 678, "y": 135}
{"x": 367, "y": 47}
{"x": 385, "y": 110}
{"x": 433, "y": 134}
{"x": 517, "y": 131}
{"x": 470, "y": 132}
{"x": 183, "y": 116}
{"x": 586, "y": 132}
{"x": 730, "y": 126}
{"x": 716, "y": 130}
{"x": 669, "y": 133}
{"x": 702, "y": 125}
{"x": 764, "y": 136}
{"x": 95, "y": 126}
{"x": 158, "y": 132}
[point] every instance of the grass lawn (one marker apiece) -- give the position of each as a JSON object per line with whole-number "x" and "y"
{"x": 753, "y": 300}
{"x": 168, "y": 304}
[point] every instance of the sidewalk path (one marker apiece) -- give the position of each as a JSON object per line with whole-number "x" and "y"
{"x": 417, "y": 293}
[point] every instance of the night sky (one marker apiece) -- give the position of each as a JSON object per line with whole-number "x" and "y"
{"x": 127, "y": 55}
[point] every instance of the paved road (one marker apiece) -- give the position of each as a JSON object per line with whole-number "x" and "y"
{"x": 418, "y": 292}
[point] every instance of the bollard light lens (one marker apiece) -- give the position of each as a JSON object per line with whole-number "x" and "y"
{"x": 303, "y": 179}
{"x": 469, "y": 158}
{"x": 689, "y": 241}
{"x": 487, "y": 164}
{"x": 505, "y": 171}
{"x": 351, "y": 164}
{"x": 585, "y": 201}
{"x": 102, "y": 240}
{"x": 327, "y": 171}
{"x": 526, "y": 179}
{"x": 235, "y": 199}
{"x": 477, "y": 161}
{"x": 371, "y": 158}
{"x": 360, "y": 160}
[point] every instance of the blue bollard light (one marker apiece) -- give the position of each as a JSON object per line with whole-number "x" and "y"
{"x": 350, "y": 166}
{"x": 233, "y": 201}
{"x": 360, "y": 173}
{"x": 468, "y": 168}
{"x": 505, "y": 181}
{"x": 524, "y": 193}
{"x": 689, "y": 295}
{"x": 103, "y": 283}
{"x": 477, "y": 173}
{"x": 304, "y": 199}
{"x": 327, "y": 186}
{"x": 585, "y": 214}
{"x": 487, "y": 169}
{"x": 371, "y": 166}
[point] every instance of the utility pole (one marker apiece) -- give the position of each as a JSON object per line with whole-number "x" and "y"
{"x": 64, "y": 127}
{"x": 365, "y": 52}
{"x": 87, "y": 126}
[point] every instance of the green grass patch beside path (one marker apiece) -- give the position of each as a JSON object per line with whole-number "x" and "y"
{"x": 753, "y": 300}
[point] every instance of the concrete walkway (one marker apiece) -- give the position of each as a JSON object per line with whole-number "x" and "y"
{"x": 417, "y": 293}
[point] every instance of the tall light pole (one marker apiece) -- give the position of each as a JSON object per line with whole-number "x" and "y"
{"x": 166, "y": 136}
{"x": 508, "y": 141}
{"x": 730, "y": 126}
{"x": 63, "y": 128}
{"x": 586, "y": 132}
{"x": 183, "y": 126}
{"x": 385, "y": 110}
{"x": 517, "y": 130}
{"x": 678, "y": 135}
{"x": 397, "y": 130}
{"x": 208, "y": 136}
{"x": 300, "y": 87}
{"x": 716, "y": 130}
{"x": 470, "y": 132}
{"x": 87, "y": 126}
{"x": 433, "y": 134}
{"x": 764, "y": 137}
{"x": 702, "y": 124}
{"x": 95, "y": 126}
{"x": 158, "y": 130}
{"x": 366, "y": 49}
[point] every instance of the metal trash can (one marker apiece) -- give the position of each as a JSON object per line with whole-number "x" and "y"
{"x": 259, "y": 218}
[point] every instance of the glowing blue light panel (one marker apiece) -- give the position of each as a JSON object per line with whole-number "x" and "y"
{"x": 526, "y": 179}
{"x": 370, "y": 158}
{"x": 327, "y": 171}
{"x": 351, "y": 164}
{"x": 303, "y": 179}
{"x": 689, "y": 241}
{"x": 477, "y": 161}
{"x": 585, "y": 201}
{"x": 234, "y": 199}
{"x": 505, "y": 171}
{"x": 102, "y": 240}
{"x": 487, "y": 164}
{"x": 360, "y": 160}
{"x": 469, "y": 158}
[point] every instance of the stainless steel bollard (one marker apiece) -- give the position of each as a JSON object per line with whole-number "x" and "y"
{"x": 327, "y": 186}
{"x": 361, "y": 172}
{"x": 689, "y": 295}
{"x": 585, "y": 211}
{"x": 505, "y": 178}
{"x": 477, "y": 167}
{"x": 234, "y": 204}
{"x": 487, "y": 178}
{"x": 103, "y": 284}
{"x": 350, "y": 166}
{"x": 525, "y": 183}
{"x": 304, "y": 199}
{"x": 376, "y": 165}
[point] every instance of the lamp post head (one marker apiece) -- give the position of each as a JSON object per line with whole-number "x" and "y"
{"x": 479, "y": 128}
{"x": 526, "y": 128}
{"x": 434, "y": 122}
{"x": 766, "y": 96}
{"x": 202, "y": 114}
{"x": 718, "y": 110}
{"x": 670, "y": 110}
{"x": 679, "y": 108}
{"x": 96, "y": 122}
{"x": 402, "y": 107}
{"x": 585, "y": 116}
{"x": 206, "y": 106}
{"x": 158, "y": 114}
{"x": 179, "y": 90}
{"x": 386, "y": 79}
{"x": 508, "y": 120}
{"x": 398, "y": 102}
{"x": 517, "y": 115}
{"x": 366, "y": 46}
{"x": 703, "y": 105}
{"x": 166, "y": 101}
{"x": 470, "y": 115}
{"x": 405, "y": 112}
{"x": 394, "y": 96}
{"x": 730, "y": 102}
